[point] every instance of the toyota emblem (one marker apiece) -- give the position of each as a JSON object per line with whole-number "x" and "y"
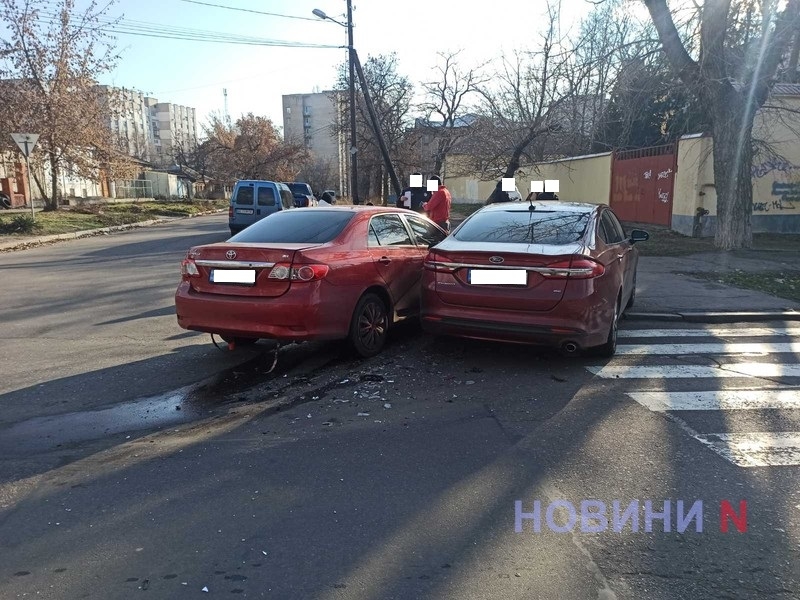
{"x": 496, "y": 259}
{"x": 230, "y": 254}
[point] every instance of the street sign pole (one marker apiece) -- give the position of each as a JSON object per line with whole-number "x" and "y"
{"x": 26, "y": 142}
{"x": 30, "y": 185}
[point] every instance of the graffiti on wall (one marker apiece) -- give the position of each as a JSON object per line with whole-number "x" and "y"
{"x": 772, "y": 164}
{"x": 789, "y": 197}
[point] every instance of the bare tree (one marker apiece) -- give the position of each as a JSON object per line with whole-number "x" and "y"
{"x": 522, "y": 104}
{"x": 391, "y": 95}
{"x": 741, "y": 45}
{"x": 251, "y": 148}
{"x": 50, "y": 64}
{"x": 447, "y": 98}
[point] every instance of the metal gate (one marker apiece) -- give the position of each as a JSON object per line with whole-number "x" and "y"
{"x": 642, "y": 184}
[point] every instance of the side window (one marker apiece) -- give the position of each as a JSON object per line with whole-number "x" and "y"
{"x": 244, "y": 195}
{"x": 617, "y": 225}
{"x": 373, "y": 237}
{"x": 425, "y": 234}
{"x": 286, "y": 198}
{"x": 613, "y": 235}
{"x": 601, "y": 230}
{"x": 390, "y": 231}
{"x": 266, "y": 196}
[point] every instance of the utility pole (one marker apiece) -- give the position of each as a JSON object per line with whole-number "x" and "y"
{"x": 352, "y": 78}
{"x": 376, "y": 127}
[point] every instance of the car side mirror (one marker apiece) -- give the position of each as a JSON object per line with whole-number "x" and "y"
{"x": 639, "y": 235}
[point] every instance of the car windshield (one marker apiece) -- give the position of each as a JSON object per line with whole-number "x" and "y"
{"x": 517, "y": 226}
{"x": 296, "y": 227}
{"x": 299, "y": 188}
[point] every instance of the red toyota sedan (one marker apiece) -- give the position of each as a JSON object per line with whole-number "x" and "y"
{"x": 546, "y": 273}
{"x": 313, "y": 274}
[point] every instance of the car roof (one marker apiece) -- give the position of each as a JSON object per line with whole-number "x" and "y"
{"x": 363, "y": 208}
{"x": 545, "y": 205}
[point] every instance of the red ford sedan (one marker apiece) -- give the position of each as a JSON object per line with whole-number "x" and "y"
{"x": 314, "y": 274}
{"x": 547, "y": 273}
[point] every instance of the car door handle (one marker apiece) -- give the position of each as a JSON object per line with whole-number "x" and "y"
{"x": 384, "y": 260}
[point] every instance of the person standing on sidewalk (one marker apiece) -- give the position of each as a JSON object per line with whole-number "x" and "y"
{"x": 438, "y": 207}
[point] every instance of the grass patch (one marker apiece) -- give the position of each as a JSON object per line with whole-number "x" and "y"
{"x": 97, "y": 216}
{"x": 777, "y": 283}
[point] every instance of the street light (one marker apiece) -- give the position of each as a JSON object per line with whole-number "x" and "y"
{"x": 351, "y": 54}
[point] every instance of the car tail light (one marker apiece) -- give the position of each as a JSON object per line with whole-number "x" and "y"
{"x": 189, "y": 268}
{"x": 434, "y": 263}
{"x": 283, "y": 271}
{"x": 230, "y": 212}
{"x": 580, "y": 268}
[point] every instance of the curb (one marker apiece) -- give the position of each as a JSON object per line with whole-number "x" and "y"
{"x": 717, "y": 316}
{"x": 38, "y": 241}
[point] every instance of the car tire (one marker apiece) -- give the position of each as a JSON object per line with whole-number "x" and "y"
{"x": 608, "y": 349}
{"x": 369, "y": 327}
{"x": 5, "y": 201}
{"x": 632, "y": 299}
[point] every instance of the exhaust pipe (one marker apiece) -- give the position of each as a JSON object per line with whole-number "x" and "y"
{"x": 569, "y": 347}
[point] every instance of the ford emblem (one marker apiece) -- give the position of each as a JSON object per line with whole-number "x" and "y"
{"x": 230, "y": 254}
{"x": 496, "y": 259}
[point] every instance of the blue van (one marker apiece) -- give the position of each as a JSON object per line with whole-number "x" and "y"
{"x": 252, "y": 200}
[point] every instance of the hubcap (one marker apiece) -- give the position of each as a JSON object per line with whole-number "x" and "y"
{"x": 371, "y": 325}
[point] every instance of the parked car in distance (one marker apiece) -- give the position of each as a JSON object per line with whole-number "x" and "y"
{"x": 252, "y": 200}
{"x": 324, "y": 273}
{"x": 547, "y": 273}
{"x": 303, "y": 195}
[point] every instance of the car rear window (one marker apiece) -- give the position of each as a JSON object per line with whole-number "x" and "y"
{"x": 300, "y": 188}
{"x": 244, "y": 195}
{"x": 515, "y": 226}
{"x": 296, "y": 227}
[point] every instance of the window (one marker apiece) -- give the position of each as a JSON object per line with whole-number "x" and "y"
{"x": 266, "y": 196}
{"x": 612, "y": 228}
{"x": 389, "y": 230}
{"x": 287, "y": 200}
{"x": 244, "y": 195}
{"x": 425, "y": 233}
{"x": 523, "y": 226}
{"x": 296, "y": 227}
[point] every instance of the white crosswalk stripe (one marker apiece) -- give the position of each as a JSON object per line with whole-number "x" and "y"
{"x": 756, "y": 449}
{"x": 767, "y": 388}
{"x": 712, "y": 332}
{"x": 718, "y": 400}
{"x": 714, "y": 348}
{"x": 695, "y": 371}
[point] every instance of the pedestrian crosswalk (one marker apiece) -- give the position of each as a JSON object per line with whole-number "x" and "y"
{"x": 701, "y": 379}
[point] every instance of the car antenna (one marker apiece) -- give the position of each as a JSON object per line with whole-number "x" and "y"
{"x": 531, "y": 207}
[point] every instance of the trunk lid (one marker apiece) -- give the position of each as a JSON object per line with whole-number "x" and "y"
{"x": 500, "y": 276}
{"x": 242, "y": 269}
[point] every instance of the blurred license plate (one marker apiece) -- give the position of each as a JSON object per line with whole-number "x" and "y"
{"x": 244, "y": 211}
{"x": 233, "y": 276}
{"x": 498, "y": 277}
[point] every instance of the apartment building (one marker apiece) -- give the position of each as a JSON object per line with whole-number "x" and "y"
{"x": 150, "y": 130}
{"x": 319, "y": 122}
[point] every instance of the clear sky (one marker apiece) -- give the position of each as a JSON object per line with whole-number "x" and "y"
{"x": 194, "y": 73}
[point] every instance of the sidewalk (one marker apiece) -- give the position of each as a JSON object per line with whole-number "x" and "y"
{"x": 667, "y": 291}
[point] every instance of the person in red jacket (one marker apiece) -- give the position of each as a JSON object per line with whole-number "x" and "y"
{"x": 438, "y": 207}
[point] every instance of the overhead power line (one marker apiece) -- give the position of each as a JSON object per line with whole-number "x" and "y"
{"x": 250, "y": 10}
{"x": 152, "y": 30}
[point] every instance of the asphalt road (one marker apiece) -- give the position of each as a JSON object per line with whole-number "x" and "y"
{"x": 394, "y": 477}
